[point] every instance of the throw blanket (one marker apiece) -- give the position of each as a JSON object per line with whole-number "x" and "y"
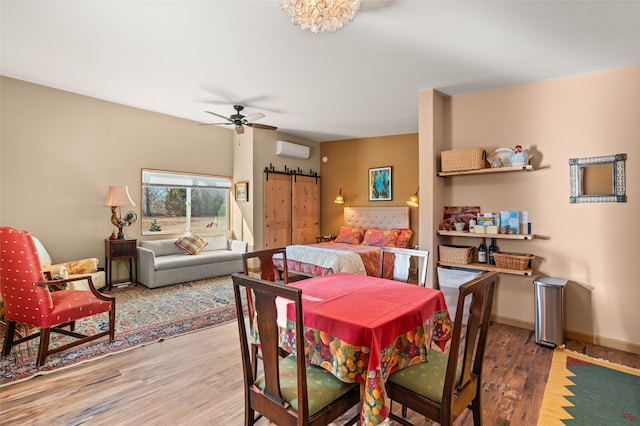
{"x": 337, "y": 260}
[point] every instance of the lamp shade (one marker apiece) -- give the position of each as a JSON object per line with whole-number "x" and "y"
{"x": 413, "y": 200}
{"x": 118, "y": 196}
{"x": 339, "y": 198}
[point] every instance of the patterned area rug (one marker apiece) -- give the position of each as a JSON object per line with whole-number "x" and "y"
{"x": 588, "y": 391}
{"x": 143, "y": 316}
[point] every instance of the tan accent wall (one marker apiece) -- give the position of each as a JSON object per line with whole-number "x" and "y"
{"x": 595, "y": 245}
{"x": 347, "y": 167}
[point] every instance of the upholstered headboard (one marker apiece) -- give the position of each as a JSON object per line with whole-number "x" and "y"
{"x": 377, "y": 217}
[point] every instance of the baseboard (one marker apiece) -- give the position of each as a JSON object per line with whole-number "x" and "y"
{"x": 576, "y": 335}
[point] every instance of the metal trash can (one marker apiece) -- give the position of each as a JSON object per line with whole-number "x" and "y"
{"x": 549, "y": 311}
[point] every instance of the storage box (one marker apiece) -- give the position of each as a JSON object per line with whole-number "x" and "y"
{"x": 509, "y": 222}
{"x": 456, "y": 254}
{"x": 463, "y": 159}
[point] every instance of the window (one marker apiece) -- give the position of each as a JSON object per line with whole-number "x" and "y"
{"x": 173, "y": 202}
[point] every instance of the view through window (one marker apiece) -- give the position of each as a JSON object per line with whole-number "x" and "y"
{"x": 173, "y": 202}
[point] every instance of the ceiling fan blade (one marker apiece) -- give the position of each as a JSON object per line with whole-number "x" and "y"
{"x": 218, "y": 115}
{"x": 215, "y": 124}
{"x": 239, "y": 130}
{"x": 262, "y": 126}
{"x": 253, "y": 117}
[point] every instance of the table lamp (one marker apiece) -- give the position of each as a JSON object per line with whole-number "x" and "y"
{"x": 117, "y": 197}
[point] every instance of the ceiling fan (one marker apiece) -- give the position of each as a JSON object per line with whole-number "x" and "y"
{"x": 239, "y": 120}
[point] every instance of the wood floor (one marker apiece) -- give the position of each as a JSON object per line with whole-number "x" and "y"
{"x": 195, "y": 379}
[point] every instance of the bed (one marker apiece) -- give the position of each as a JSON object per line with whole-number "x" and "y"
{"x": 358, "y": 246}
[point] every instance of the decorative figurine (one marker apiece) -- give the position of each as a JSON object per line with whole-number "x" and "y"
{"x": 520, "y": 157}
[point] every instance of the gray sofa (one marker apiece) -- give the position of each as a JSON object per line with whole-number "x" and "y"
{"x": 162, "y": 263}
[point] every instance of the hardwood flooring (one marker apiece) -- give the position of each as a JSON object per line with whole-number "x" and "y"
{"x": 195, "y": 379}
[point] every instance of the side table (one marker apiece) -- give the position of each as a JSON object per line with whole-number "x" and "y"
{"x": 325, "y": 238}
{"x": 120, "y": 250}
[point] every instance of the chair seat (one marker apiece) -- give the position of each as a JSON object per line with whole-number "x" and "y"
{"x": 71, "y": 305}
{"x": 426, "y": 378}
{"x": 324, "y": 387}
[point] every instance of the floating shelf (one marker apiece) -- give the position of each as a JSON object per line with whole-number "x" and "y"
{"x": 474, "y": 235}
{"x": 528, "y": 167}
{"x": 487, "y": 267}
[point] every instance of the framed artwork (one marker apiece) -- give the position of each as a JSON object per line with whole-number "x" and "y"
{"x": 242, "y": 191}
{"x": 380, "y": 184}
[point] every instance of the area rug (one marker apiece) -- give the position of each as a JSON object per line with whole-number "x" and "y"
{"x": 588, "y": 391}
{"x": 143, "y": 316}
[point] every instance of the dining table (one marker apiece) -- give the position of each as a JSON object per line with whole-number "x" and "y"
{"x": 363, "y": 328}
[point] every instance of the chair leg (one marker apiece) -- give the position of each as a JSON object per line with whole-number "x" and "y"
{"x": 43, "y": 348}
{"x": 477, "y": 411}
{"x": 10, "y": 332}
{"x": 112, "y": 321}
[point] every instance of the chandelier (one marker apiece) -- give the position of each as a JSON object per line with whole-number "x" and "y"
{"x": 320, "y": 16}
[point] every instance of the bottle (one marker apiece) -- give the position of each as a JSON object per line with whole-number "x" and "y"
{"x": 482, "y": 252}
{"x": 492, "y": 249}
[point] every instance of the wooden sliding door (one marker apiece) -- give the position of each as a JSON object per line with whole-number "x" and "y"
{"x": 305, "y": 226}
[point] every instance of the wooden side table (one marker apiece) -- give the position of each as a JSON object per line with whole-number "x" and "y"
{"x": 325, "y": 238}
{"x": 120, "y": 250}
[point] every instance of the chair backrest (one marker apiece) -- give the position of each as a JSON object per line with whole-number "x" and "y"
{"x": 468, "y": 351}
{"x": 402, "y": 264}
{"x": 269, "y": 402}
{"x": 20, "y": 273}
{"x": 267, "y": 267}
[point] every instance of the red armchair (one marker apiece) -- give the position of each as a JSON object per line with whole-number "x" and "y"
{"x": 28, "y": 300}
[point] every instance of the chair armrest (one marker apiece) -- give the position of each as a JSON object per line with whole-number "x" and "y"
{"x": 238, "y": 246}
{"x": 57, "y": 283}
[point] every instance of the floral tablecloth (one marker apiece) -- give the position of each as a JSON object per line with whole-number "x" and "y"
{"x": 362, "y": 329}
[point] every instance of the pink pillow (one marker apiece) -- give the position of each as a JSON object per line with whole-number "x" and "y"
{"x": 380, "y": 237}
{"x": 349, "y": 235}
{"x": 404, "y": 235}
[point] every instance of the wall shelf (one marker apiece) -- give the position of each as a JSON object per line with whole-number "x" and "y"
{"x": 497, "y": 236}
{"x": 525, "y": 168}
{"x": 487, "y": 267}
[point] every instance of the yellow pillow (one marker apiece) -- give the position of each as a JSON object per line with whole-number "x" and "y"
{"x": 191, "y": 243}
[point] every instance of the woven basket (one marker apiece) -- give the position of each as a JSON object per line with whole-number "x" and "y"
{"x": 517, "y": 261}
{"x": 456, "y": 254}
{"x": 463, "y": 159}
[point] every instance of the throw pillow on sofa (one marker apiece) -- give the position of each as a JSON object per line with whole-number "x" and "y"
{"x": 191, "y": 243}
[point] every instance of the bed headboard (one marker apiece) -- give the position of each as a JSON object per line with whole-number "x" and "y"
{"x": 377, "y": 217}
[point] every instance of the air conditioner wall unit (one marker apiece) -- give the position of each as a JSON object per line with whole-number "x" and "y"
{"x": 288, "y": 149}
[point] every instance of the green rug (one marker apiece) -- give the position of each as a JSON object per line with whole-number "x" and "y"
{"x": 586, "y": 391}
{"x": 143, "y": 316}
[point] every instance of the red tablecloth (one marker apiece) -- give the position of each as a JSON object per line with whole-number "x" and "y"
{"x": 380, "y": 324}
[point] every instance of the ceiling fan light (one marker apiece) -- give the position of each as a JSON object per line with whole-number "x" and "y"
{"x": 319, "y": 16}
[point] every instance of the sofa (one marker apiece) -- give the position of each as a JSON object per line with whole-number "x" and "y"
{"x": 162, "y": 262}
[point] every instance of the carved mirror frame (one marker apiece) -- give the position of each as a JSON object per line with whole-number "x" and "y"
{"x": 618, "y": 189}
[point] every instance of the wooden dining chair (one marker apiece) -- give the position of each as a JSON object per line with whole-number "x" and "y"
{"x": 444, "y": 386}
{"x": 266, "y": 265}
{"x": 290, "y": 391}
{"x": 402, "y": 262}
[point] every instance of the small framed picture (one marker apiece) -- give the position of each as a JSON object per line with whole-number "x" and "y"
{"x": 380, "y": 184}
{"x": 242, "y": 191}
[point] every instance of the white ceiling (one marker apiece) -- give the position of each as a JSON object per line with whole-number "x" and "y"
{"x": 184, "y": 57}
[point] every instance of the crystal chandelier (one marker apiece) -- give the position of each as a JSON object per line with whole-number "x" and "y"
{"x": 320, "y": 16}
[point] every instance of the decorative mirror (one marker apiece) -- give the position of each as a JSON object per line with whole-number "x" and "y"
{"x": 598, "y": 179}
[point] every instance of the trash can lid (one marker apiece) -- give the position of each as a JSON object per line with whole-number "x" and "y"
{"x": 550, "y": 282}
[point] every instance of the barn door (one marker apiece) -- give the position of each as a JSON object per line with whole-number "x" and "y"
{"x": 277, "y": 210}
{"x": 306, "y": 209}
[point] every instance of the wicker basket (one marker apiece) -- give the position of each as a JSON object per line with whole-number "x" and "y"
{"x": 517, "y": 261}
{"x": 463, "y": 159}
{"x": 456, "y": 254}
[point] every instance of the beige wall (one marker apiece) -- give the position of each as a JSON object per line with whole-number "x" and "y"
{"x": 60, "y": 152}
{"x": 594, "y": 245}
{"x": 348, "y": 162}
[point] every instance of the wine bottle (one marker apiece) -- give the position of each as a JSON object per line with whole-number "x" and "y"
{"x": 482, "y": 252}
{"x": 492, "y": 249}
